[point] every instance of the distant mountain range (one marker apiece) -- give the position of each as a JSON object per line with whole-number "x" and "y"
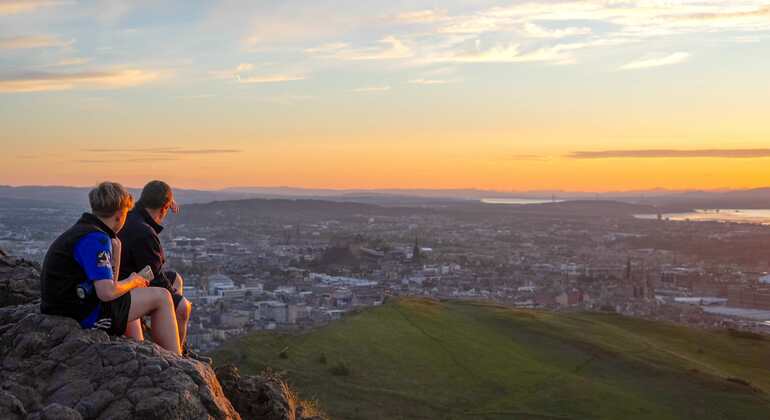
{"x": 663, "y": 200}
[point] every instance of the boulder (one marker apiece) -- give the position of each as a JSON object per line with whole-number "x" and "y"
{"x": 265, "y": 396}
{"x": 19, "y": 280}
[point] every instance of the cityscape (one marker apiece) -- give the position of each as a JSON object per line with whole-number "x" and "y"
{"x": 291, "y": 264}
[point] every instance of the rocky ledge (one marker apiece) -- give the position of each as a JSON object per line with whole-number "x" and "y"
{"x": 50, "y": 368}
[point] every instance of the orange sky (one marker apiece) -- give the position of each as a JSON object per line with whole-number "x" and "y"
{"x": 496, "y": 96}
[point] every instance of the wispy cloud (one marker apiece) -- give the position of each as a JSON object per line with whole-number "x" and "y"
{"x": 422, "y": 16}
{"x": 246, "y": 73}
{"x": 367, "y": 89}
{"x": 536, "y": 31}
{"x": 165, "y": 151}
{"x": 12, "y": 7}
{"x": 671, "y": 153}
{"x": 656, "y": 61}
{"x": 38, "y": 82}
{"x": 431, "y": 81}
{"x": 36, "y": 41}
{"x": 388, "y": 48}
{"x": 269, "y": 78}
{"x": 71, "y": 61}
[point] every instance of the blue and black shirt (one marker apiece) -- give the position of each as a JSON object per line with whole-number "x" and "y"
{"x": 75, "y": 260}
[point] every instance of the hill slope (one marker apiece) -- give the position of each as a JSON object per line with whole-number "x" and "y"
{"x": 420, "y": 359}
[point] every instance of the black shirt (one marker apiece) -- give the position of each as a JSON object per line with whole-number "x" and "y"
{"x": 140, "y": 244}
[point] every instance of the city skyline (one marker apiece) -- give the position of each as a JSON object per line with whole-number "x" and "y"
{"x": 536, "y": 95}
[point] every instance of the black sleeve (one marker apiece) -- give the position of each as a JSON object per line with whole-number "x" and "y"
{"x": 148, "y": 252}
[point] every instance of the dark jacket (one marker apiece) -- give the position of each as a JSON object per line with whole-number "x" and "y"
{"x": 61, "y": 273}
{"x": 140, "y": 244}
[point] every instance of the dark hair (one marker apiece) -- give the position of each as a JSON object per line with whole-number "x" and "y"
{"x": 155, "y": 195}
{"x": 108, "y": 198}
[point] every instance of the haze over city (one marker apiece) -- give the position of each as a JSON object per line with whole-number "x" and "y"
{"x": 536, "y": 95}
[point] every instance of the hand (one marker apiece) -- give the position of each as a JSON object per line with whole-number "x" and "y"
{"x": 138, "y": 281}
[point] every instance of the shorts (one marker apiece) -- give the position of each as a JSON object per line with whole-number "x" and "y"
{"x": 113, "y": 315}
{"x": 166, "y": 280}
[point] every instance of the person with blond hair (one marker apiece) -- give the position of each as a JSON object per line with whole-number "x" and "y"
{"x": 79, "y": 277}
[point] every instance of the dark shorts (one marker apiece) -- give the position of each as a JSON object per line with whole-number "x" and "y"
{"x": 113, "y": 315}
{"x": 166, "y": 280}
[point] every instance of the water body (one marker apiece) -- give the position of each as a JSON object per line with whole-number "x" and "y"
{"x": 518, "y": 201}
{"x": 755, "y": 216}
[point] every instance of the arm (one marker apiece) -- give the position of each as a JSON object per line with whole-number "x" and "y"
{"x": 111, "y": 289}
{"x": 116, "y": 254}
{"x": 94, "y": 253}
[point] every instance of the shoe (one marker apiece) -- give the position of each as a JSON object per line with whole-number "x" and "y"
{"x": 187, "y": 352}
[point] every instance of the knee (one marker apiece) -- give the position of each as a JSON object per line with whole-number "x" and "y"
{"x": 163, "y": 297}
{"x": 179, "y": 282}
{"x": 184, "y": 309}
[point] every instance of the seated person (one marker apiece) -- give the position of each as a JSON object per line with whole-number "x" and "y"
{"x": 142, "y": 247}
{"x": 79, "y": 277}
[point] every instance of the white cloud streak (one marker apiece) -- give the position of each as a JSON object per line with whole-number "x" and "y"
{"x": 41, "y": 82}
{"x": 36, "y": 41}
{"x": 656, "y": 61}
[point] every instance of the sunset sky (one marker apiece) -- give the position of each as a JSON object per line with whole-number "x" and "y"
{"x": 520, "y": 95}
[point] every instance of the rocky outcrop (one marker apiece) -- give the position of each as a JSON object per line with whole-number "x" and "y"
{"x": 19, "y": 280}
{"x": 52, "y": 368}
{"x": 263, "y": 396}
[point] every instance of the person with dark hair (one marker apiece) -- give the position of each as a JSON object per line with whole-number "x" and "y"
{"x": 80, "y": 280}
{"x": 142, "y": 247}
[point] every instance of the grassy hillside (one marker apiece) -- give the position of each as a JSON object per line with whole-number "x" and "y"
{"x": 421, "y": 359}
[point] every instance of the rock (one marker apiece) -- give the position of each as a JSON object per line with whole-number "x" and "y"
{"x": 264, "y": 396}
{"x": 19, "y": 281}
{"x": 52, "y": 368}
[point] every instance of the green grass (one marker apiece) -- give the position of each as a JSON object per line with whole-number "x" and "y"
{"x": 422, "y": 359}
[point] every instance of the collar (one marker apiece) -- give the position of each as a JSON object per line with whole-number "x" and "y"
{"x": 90, "y": 219}
{"x": 147, "y": 218}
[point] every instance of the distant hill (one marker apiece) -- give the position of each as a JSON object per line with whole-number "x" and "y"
{"x": 421, "y": 359}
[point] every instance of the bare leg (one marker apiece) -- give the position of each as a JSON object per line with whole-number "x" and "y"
{"x": 134, "y": 330}
{"x": 157, "y": 302}
{"x": 183, "y": 311}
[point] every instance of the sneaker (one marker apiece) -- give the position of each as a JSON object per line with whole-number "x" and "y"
{"x": 187, "y": 352}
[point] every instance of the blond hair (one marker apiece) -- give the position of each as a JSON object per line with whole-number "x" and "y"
{"x": 108, "y": 198}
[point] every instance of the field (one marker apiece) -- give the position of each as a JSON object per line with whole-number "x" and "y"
{"x": 424, "y": 359}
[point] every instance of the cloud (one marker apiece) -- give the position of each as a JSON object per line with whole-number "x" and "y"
{"x": 72, "y": 61}
{"x": 12, "y": 7}
{"x": 422, "y": 16}
{"x": 145, "y": 160}
{"x": 269, "y": 78}
{"x": 372, "y": 89}
{"x": 511, "y": 53}
{"x": 39, "y": 82}
{"x": 671, "y": 153}
{"x": 431, "y": 81}
{"x": 244, "y": 73}
{"x": 165, "y": 151}
{"x": 389, "y": 48}
{"x": 658, "y": 61}
{"x": 37, "y": 41}
{"x": 536, "y": 31}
